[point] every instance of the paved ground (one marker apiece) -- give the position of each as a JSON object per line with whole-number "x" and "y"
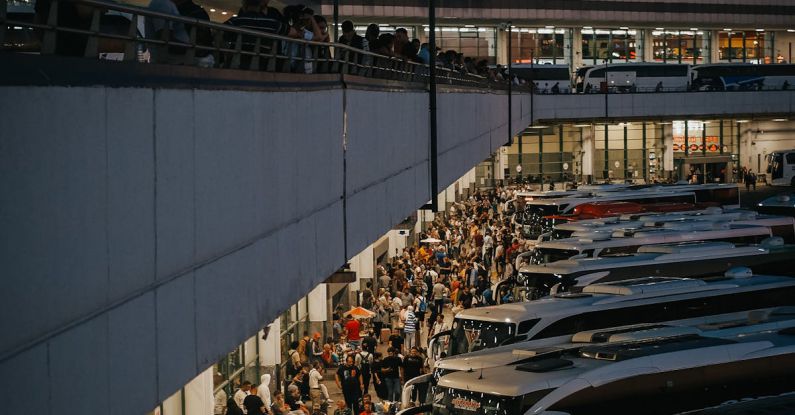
{"x": 749, "y": 199}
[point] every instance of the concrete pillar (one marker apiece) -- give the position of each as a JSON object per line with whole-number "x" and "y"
{"x": 576, "y": 45}
{"x": 648, "y": 45}
{"x": 502, "y": 47}
{"x": 668, "y": 153}
{"x": 714, "y": 52}
{"x": 199, "y": 394}
{"x": 270, "y": 348}
{"x": 588, "y": 150}
{"x": 318, "y": 309}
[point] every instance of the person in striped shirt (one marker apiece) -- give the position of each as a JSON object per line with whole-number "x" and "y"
{"x": 410, "y": 328}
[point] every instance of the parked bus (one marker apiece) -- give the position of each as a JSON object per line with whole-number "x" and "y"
{"x": 634, "y": 77}
{"x": 742, "y": 77}
{"x": 781, "y": 167}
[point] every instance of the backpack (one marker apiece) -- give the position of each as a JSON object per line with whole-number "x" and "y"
{"x": 423, "y": 305}
{"x": 365, "y": 357}
{"x": 232, "y": 408}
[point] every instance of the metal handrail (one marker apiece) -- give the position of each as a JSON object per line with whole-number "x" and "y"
{"x": 234, "y": 47}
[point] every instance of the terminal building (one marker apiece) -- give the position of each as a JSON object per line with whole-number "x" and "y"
{"x": 165, "y": 224}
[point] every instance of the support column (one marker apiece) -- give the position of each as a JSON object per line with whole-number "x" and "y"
{"x": 626, "y": 153}
{"x": 588, "y": 149}
{"x": 576, "y": 49}
{"x": 644, "y": 162}
{"x": 648, "y": 45}
{"x": 606, "y": 172}
{"x": 668, "y": 154}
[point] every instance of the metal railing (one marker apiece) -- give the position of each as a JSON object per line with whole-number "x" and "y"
{"x": 231, "y": 47}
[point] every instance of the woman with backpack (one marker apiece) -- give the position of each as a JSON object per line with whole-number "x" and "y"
{"x": 421, "y": 305}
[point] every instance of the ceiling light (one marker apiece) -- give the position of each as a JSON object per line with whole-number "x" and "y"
{"x": 727, "y": 29}
{"x": 693, "y": 28}
{"x": 582, "y": 125}
{"x": 659, "y": 28}
{"x": 212, "y": 10}
{"x": 224, "y": 13}
{"x": 791, "y": 30}
{"x": 624, "y": 28}
{"x": 743, "y": 121}
{"x": 587, "y": 27}
{"x": 779, "y": 119}
{"x": 760, "y": 30}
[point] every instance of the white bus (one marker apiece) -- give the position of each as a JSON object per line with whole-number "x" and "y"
{"x": 634, "y": 77}
{"x": 781, "y": 167}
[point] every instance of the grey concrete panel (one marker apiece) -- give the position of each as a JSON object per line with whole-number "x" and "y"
{"x": 330, "y": 239}
{"x": 176, "y": 335}
{"x": 79, "y": 369}
{"x": 132, "y": 335}
{"x": 52, "y": 209}
{"x": 367, "y": 216}
{"x": 228, "y": 151}
{"x": 174, "y": 126}
{"x": 24, "y": 382}
{"x": 226, "y": 308}
{"x": 318, "y": 163}
{"x": 131, "y": 189}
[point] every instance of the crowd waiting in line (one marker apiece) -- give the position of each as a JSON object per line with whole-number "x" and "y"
{"x": 294, "y": 21}
{"x": 477, "y": 245}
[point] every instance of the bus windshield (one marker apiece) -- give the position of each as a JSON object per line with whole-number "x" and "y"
{"x": 472, "y": 335}
{"x": 547, "y": 255}
{"x": 775, "y": 165}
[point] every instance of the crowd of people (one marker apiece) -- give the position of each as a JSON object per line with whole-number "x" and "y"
{"x": 294, "y": 21}
{"x": 414, "y": 295}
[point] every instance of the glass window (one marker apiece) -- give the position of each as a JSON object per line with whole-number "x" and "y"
{"x": 611, "y": 45}
{"x": 475, "y": 42}
{"x": 542, "y": 45}
{"x": 681, "y": 46}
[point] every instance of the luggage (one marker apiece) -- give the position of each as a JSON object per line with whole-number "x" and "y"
{"x": 385, "y": 333}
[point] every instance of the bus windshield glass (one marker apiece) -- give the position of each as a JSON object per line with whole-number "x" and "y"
{"x": 547, "y": 255}
{"x": 472, "y": 335}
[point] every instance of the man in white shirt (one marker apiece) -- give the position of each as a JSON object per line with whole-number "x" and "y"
{"x": 241, "y": 394}
{"x": 264, "y": 389}
{"x": 219, "y": 406}
{"x": 315, "y": 388}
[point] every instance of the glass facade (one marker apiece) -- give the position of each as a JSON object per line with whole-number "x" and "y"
{"x": 542, "y": 45}
{"x": 681, "y": 46}
{"x": 476, "y": 42}
{"x": 611, "y": 45}
{"x": 746, "y": 46}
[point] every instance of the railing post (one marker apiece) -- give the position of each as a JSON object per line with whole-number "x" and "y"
{"x": 3, "y": 6}
{"x": 271, "y": 67}
{"x": 254, "y": 66}
{"x": 236, "y": 57}
{"x": 92, "y": 45}
{"x": 190, "y": 55}
{"x": 49, "y": 38}
{"x": 131, "y": 44}
{"x": 217, "y": 42}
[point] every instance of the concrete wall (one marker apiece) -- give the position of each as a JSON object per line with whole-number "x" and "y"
{"x": 147, "y": 232}
{"x": 625, "y": 107}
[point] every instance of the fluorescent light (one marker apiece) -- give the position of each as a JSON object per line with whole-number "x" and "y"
{"x": 537, "y": 126}
{"x": 659, "y": 28}
{"x": 693, "y": 28}
{"x": 665, "y": 123}
{"x": 624, "y": 28}
{"x": 224, "y": 13}
{"x": 743, "y": 121}
{"x": 587, "y": 27}
{"x": 212, "y": 10}
{"x": 779, "y": 119}
{"x": 760, "y": 30}
{"x": 469, "y": 25}
{"x": 791, "y": 30}
{"x": 727, "y": 29}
